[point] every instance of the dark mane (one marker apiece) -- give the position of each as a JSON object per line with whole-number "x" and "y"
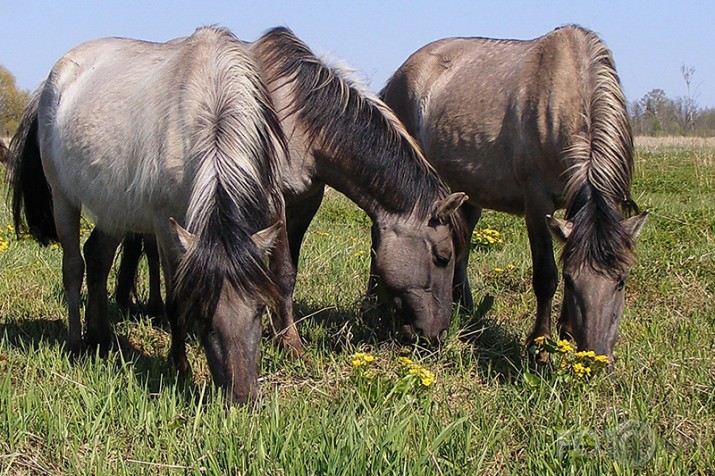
{"x": 598, "y": 191}
{"x": 229, "y": 203}
{"x": 598, "y": 239}
{"x": 352, "y": 123}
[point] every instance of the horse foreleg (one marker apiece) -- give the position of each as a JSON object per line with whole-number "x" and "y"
{"x": 545, "y": 277}
{"x": 284, "y": 265}
{"x": 462, "y": 292}
{"x": 177, "y": 352}
{"x": 99, "y": 251}
{"x": 67, "y": 223}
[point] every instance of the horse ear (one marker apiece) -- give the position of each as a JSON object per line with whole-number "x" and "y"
{"x": 265, "y": 240}
{"x": 183, "y": 238}
{"x": 560, "y": 229}
{"x": 447, "y": 206}
{"x": 634, "y": 225}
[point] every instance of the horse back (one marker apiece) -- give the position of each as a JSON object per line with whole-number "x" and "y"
{"x": 492, "y": 115}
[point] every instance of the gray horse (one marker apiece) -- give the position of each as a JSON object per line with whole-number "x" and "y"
{"x": 151, "y": 138}
{"x": 528, "y": 127}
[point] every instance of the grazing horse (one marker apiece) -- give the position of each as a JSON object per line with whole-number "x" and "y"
{"x": 528, "y": 127}
{"x": 341, "y": 135}
{"x": 4, "y": 155}
{"x": 151, "y": 138}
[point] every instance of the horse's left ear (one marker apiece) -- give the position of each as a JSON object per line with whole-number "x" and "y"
{"x": 560, "y": 229}
{"x": 634, "y": 225}
{"x": 183, "y": 238}
{"x": 445, "y": 207}
{"x": 265, "y": 239}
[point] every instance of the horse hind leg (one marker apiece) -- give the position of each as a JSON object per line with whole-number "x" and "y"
{"x": 126, "y": 276}
{"x": 155, "y": 305}
{"x": 67, "y": 218}
{"x": 132, "y": 248}
{"x": 99, "y": 251}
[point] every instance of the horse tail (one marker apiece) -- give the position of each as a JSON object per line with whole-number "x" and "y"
{"x": 31, "y": 193}
{"x": 603, "y": 156}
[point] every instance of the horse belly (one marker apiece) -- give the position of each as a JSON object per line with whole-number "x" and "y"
{"x": 489, "y": 183}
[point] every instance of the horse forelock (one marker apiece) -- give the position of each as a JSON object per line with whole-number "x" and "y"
{"x": 236, "y": 145}
{"x": 346, "y": 119}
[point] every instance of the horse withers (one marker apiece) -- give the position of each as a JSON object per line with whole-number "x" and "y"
{"x": 178, "y": 141}
{"x": 528, "y": 127}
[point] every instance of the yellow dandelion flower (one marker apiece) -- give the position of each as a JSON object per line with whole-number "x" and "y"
{"x": 498, "y": 270}
{"x": 368, "y": 358}
{"x": 427, "y": 379}
{"x": 510, "y": 267}
{"x": 585, "y": 354}
{"x": 601, "y": 359}
{"x": 564, "y": 346}
{"x": 539, "y": 340}
{"x": 405, "y": 361}
{"x": 581, "y": 370}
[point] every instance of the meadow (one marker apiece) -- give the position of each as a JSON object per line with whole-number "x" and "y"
{"x": 360, "y": 401}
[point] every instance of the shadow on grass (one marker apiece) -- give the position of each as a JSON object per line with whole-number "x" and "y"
{"x": 498, "y": 352}
{"x": 334, "y": 329}
{"x": 153, "y": 372}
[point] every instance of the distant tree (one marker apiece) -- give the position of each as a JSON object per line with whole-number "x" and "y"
{"x": 689, "y": 105}
{"x": 12, "y": 102}
{"x": 654, "y": 106}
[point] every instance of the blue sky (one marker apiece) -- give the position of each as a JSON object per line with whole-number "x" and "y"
{"x": 650, "y": 39}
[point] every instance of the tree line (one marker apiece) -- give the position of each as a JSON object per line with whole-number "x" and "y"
{"x": 655, "y": 114}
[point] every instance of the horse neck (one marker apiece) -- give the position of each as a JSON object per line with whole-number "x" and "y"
{"x": 347, "y": 138}
{"x": 359, "y": 151}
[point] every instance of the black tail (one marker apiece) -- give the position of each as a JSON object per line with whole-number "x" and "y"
{"x": 30, "y": 190}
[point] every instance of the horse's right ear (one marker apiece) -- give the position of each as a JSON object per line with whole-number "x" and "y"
{"x": 183, "y": 238}
{"x": 560, "y": 229}
{"x": 265, "y": 239}
{"x": 445, "y": 207}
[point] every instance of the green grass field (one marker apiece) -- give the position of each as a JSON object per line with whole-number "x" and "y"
{"x": 486, "y": 412}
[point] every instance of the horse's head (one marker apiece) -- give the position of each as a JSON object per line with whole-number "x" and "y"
{"x": 415, "y": 263}
{"x": 593, "y": 297}
{"x": 228, "y": 313}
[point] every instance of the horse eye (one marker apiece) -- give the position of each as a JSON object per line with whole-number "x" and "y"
{"x": 621, "y": 284}
{"x": 442, "y": 259}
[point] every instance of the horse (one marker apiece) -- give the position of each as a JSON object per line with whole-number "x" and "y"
{"x": 4, "y": 154}
{"x": 175, "y": 140}
{"x": 529, "y": 127}
{"x": 342, "y": 135}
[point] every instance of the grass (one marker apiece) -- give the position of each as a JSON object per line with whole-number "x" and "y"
{"x": 483, "y": 414}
